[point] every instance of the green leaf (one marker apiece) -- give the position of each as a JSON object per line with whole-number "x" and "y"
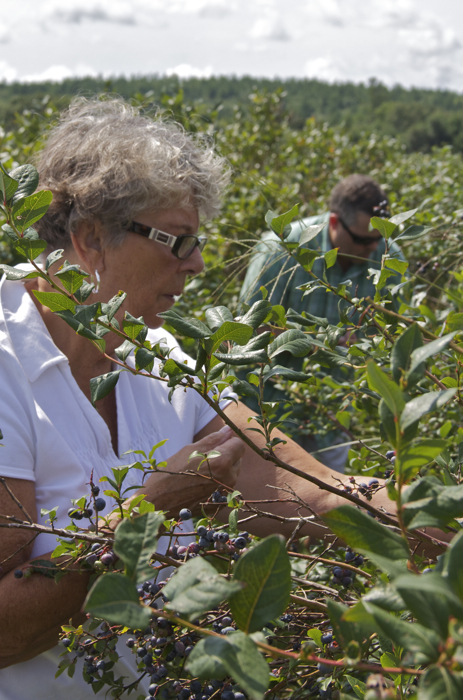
{"x": 440, "y": 684}
{"x": 71, "y": 277}
{"x": 266, "y": 571}
{"x": 412, "y": 458}
{"x": 413, "y": 232}
{"x": 403, "y": 216}
{"x": 229, "y": 330}
{"x": 346, "y": 631}
{"x": 436, "y": 506}
{"x": 357, "y": 686}
{"x": 242, "y": 358}
{"x": 8, "y": 185}
{"x": 234, "y": 655}
{"x": 112, "y": 307}
{"x": 218, "y": 315}
{"x": 30, "y": 248}
{"x": 360, "y": 531}
{"x": 32, "y": 208}
{"x": 386, "y": 228}
{"x": 423, "y": 353}
{"x": 54, "y": 256}
{"x": 430, "y": 600}
{"x": 256, "y": 314}
{"x": 13, "y": 273}
{"x": 286, "y": 373}
{"x": 191, "y": 328}
{"x": 197, "y": 587}
{"x": 27, "y": 178}
{"x": 386, "y": 388}
{"x": 399, "y": 266}
{"x": 412, "y": 637}
{"x": 144, "y": 358}
{"x": 306, "y": 319}
{"x": 310, "y": 233}
{"x": 54, "y": 301}
{"x": 331, "y": 257}
{"x": 132, "y": 326}
{"x": 135, "y": 542}
{"x": 293, "y": 341}
{"x": 124, "y": 350}
{"x": 279, "y": 223}
{"x": 405, "y": 344}
{"x": 418, "y": 407}
{"x": 452, "y": 564}
{"x": 114, "y": 598}
{"x": 101, "y": 386}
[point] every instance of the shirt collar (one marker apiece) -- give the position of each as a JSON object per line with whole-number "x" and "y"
{"x": 31, "y": 341}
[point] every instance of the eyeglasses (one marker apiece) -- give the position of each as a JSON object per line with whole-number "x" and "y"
{"x": 182, "y": 246}
{"x": 359, "y": 240}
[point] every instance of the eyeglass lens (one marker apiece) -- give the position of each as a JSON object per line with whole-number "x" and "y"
{"x": 185, "y": 245}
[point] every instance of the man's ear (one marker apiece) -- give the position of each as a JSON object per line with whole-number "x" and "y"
{"x": 88, "y": 242}
{"x": 333, "y": 220}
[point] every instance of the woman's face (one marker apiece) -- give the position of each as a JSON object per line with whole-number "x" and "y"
{"x": 148, "y": 270}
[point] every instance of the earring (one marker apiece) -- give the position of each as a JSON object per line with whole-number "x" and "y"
{"x": 96, "y": 288}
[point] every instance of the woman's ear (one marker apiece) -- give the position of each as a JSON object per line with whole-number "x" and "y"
{"x": 88, "y": 242}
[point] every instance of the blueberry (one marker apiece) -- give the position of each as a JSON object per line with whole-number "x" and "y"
{"x": 130, "y": 643}
{"x": 154, "y": 588}
{"x": 188, "y": 650}
{"x": 239, "y": 696}
{"x": 66, "y": 642}
{"x": 244, "y": 534}
{"x": 393, "y": 459}
{"x": 228, "y": 630}
{"x": 173, "y": 551}
{"x": 193, "y": 548}
{"x": 201, "y": 531}
{"x": 297, "y": 646}
{"x": 373, "y": 483}
{"x": 101, "y": 665}
{"x": 184, "y": 694}
{"x": 95, "y": 490}
{"x": 184, "y": 514}
{"x": 163, "y": 623}
{"x": 326, "y": 638}
{"x": 203, "y": 542}
{"x": 73, "y": 513}
{"x": 210, "y": 535}
{"x": 226, "y": 621}
{"x": 180, "y": 648}
{"x": 88, "y": 512}
{"x": 147, "y": 659}
{"x": 223, "y": 499}
{"x": 95, "y": 547}
{"x": 152, "y": 689}
{"x": 228, "y": 695}
{"x": 347, "y": 581}
{"x": 140, "y": 589}
{"x": 161, "y": 641}
{"x": 181, "y": 551}
{"x": 324, "y": 669}
{"x": 240, "y": 543}
{"x": 91, "y": 559}
{"x": 222, "y": 536}
{"x": 336, "y": 581}
{"x": 100, "y": 504}
{"x": 18, "y": 573}
{"x": 216, "y": 496}
{"x": 162, "y": 671}
{"x": 350, "y": 556}
{"x": 388, "y": 473}
{"x": 363, "y": 488}
{"x": 390, "y": 454}
{"x": 358, "y": 561}
{"x": 195, "y": 686}
{"x": 107, "y": 559}
{"x": 337, "y": 572}
{"x": 141, "y": 651}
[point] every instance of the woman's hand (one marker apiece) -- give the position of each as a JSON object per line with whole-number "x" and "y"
{"x": 185, "y": 483}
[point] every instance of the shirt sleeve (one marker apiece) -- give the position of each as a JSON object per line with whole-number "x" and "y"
{"x": 17, "y": 422}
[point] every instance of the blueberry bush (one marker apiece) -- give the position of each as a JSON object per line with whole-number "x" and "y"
{"x": 380, "y": 613}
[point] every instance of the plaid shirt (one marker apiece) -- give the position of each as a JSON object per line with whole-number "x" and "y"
{"x": 271, "y": 267}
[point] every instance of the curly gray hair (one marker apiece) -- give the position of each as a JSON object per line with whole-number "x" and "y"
{"x": 106, "y": 162}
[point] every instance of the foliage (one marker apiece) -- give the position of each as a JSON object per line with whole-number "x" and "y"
{"x": 375, "y": 619}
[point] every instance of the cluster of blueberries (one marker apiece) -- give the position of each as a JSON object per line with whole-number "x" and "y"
{"x": 197, "y": 691}
{"x": 345, "y": 577}
{"x": 87, "y": 510}
{"x": 224, "y": 625}
{"x": 218, "y": 538}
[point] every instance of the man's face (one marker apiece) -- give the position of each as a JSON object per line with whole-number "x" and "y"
{"x": 341, "y": 236}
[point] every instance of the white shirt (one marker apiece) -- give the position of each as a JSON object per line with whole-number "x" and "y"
{"x": 53, "y": 436}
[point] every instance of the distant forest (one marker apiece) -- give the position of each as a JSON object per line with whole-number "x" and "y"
{"x": 420, "y": 118}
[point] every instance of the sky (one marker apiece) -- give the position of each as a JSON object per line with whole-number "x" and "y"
{"x": 409, "y": 42}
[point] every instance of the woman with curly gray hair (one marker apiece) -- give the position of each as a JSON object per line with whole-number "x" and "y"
{"x": 129, "y": 194}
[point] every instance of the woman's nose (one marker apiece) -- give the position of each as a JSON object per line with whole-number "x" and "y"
{"x": 195, "y": 263}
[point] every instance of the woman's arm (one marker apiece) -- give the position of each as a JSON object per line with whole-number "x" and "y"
{"x": 33, "y": 609}
{"x": 257, "y": 473}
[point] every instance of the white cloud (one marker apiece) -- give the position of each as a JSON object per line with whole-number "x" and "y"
{"x": 184, "y": 70}
{"x": 7, "y": 72}
{"x": 270, "y": 28}
{"x": 324, "y": 68}
{"x": 57, "y": 73}
{"x": 78, "y": 11}
{"x": 5, "y": 34}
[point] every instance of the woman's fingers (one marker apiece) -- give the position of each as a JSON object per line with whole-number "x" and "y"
{"x": 226, "y": 467}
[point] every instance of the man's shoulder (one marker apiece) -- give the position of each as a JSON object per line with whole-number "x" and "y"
{"x": 297, "y": 227}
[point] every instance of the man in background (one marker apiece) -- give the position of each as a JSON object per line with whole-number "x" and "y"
{"x": 353, "y": 202}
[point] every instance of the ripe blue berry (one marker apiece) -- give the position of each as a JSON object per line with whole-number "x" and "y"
{"x": 181, "y": 551}
{"x": 152, "y": 689}
{"x": 350, "y": 556}
{"x": 373, "y": 483}
{"x": 201, "y": 531}
{"x": 107, "y": 559}
{"x": 222, "y": 536}
{"x": 347, "y": 581}
{"x": 226, "y": 621}
{"x": 326, "y": 638}
{"x": 18, "y": 573}
{"x": 184, "y": 514}
{"x": 66, "y": 642}
{"x": 195, "y": 686}
{"x": 95, "y": 490}
{"x": 239, "y": 696}
{"x": 240, "y": 542}
{"x": 74, "y": 514}
{"x": 323, "y": 669}
{"x": 154, "y": 589}
{"x": 100, "y": 504}
{"x": 337, "y": 571}
{"x": 130, "y": 643}
{"x": 228, "y": 695}
{"x": 88, "y": 512}
{"x": 228, "y": 630}
{"x": 203, "y": 543}
{"x": 101, "y": 665}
